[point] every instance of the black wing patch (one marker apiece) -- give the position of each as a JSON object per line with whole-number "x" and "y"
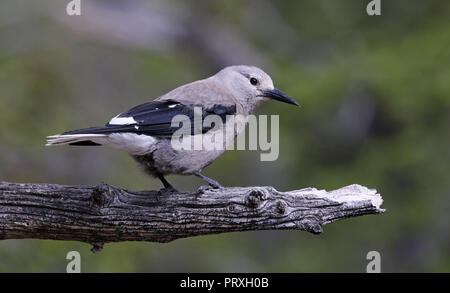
{"x": 154, "y": 118}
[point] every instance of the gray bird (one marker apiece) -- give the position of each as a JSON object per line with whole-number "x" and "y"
{"x": 145, "y": 131}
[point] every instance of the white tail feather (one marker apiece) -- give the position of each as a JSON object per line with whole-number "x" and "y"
{"x": 62, "y": 139}
{"x": 130, "y": 142}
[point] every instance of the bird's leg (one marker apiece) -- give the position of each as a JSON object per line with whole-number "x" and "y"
{"x": 167, "y": 186}
{"x": 210, "y": 181}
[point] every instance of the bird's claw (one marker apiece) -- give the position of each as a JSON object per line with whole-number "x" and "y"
{"x": 169, "y": 189}
{"x": 215, "y": 186}
{"x": 204, "y": 188}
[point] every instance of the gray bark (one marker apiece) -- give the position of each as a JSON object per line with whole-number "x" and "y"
{"x": 105, "y": 213}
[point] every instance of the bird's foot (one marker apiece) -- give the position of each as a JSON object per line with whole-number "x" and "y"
{"x": 213, "y": 184}
{"x": 168, "y": 189}
{"x": 204, "y": 188}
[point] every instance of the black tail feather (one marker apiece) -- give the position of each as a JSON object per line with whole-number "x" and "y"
{"x": 90, "y": 130}
{"x": 84, "y": 143}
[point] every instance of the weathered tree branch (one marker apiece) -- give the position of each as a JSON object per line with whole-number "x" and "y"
{"x": 106, "y": 213}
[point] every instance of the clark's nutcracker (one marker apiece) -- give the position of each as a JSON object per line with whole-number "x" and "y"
{"x": 145, "y": 131}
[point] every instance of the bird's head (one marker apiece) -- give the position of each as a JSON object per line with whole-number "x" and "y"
{"x": 250, "y": 86}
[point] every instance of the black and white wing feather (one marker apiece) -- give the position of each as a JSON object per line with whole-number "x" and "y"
{"x": 151, "y": 119}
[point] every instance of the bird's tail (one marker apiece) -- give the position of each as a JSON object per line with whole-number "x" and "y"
{"x": 87, "y": 137}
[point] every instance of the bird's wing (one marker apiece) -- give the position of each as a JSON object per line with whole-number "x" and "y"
{"x": 154, "y": 119}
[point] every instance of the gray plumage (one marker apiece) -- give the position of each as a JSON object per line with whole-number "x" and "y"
{"x": 145, "y": 131}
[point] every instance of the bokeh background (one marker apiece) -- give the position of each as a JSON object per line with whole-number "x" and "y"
{"x": 375, "y": 93}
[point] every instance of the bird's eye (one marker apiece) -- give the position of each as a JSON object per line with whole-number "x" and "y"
{"x": 253, "y": 81}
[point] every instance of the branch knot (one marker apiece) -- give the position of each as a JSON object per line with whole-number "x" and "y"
{"x": 311, "y": 224}
{"x": 102, "y": 195}
{"x": 97, "y": 247}
{"x": 255, "y": 198}
{"x": 281, "y": 207}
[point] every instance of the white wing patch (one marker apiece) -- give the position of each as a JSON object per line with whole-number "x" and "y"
{"x": 122, "y": 120}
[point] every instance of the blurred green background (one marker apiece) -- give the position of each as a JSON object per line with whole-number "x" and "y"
{"x": 375, "y": 93}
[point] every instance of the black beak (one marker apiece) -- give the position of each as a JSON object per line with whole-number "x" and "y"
{"x": 278, "y": 95}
